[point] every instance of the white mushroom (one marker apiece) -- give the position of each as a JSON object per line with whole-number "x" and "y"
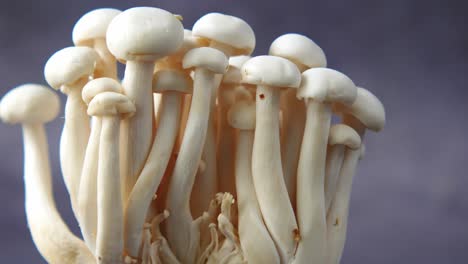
{"x": 257, "y": 245}
{"x": 140, "y": 36}
{"x": 90, "y": 30}
{"x": 69, "y": 70}
{"x": 110, "y": 107}
{"x": 306, "y": 54}
{"x": 319, "y": 88}
{"x": 33, "y": 105}
{"x": 172, "y": 84}
{"x": 270, "y": 74}
{"x": 182, "y": 234}
{"x": 87, "y": 194}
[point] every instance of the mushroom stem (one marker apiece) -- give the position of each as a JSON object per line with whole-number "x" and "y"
{"x": 147, "y": 184}
{"x": 182, "y": 235}
{"x": 332, "y": 172}
{"x": 256, "y": 243}
{"x": 108, "y": 60}
{"x": 268, "y": 175}
{"x": 87, "y": 200}
{"x": 52, "y": 237}
{"x": 137, "y": 130}
{"x": 310, "y": 184}
{"x": 337, "y": 218}
{"x": 109, "y": 243}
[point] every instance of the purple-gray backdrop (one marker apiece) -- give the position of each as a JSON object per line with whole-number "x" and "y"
{"x": 409, "y": 203}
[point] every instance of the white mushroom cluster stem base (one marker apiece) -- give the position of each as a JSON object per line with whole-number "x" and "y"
{"x": 200, "y": 153}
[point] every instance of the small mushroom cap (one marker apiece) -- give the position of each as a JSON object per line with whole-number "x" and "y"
{"x": 341, "y": 134}
{"x": 367, "y": 108}
{"x": 272, "y": 71}
{"x": 93, "y": 25}
{"x": 233, "y": 74}
{"x": 144, "y": 34}
{"x": 69, "y": 65}
{"x": 242, "y": 115}
{"x": 299, "y": 49}
{"x": 205, "y": 57}
{"x": 238, "y": 93}
{"x": 111, "y": 104}
{"x": 327, "y": 85}
{"x": 171, "y": 80}
{"x": 30, "y": 104}
{"x": 228, "y": 30}
{"x": 100, "y": 85}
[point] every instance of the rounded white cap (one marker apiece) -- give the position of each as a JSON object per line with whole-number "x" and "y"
{"x": 171, "y": 80}
{"x": 100, "y": 85}
{"x": 93, "y": 25}
{"x": 228, "y": 30}
{"x": 145, "y": 34}
{"x": 272, "y": 71}
{"x": 29, "y": 103}
{"x": 205, "y": 57}
{"x": 327, "y": 85}
{"x": 233, "y": 74}
{"x": 69, "y": 65}
{"x": 242, "y": 115}
{"x": 111, "y": 104}
{"x": 341, "y": 134}
{"x": 301, "y": 50}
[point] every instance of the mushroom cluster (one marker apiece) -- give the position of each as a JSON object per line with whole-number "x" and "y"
{"x": 200, "y": 153}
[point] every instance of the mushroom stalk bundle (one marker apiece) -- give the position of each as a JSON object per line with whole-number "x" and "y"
{"x": 240, "y": 162}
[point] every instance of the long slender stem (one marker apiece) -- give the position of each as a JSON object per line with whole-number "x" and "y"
{"x": 332, "y": 172}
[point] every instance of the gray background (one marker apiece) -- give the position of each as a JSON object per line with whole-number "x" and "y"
{"x": 409, "y": 203}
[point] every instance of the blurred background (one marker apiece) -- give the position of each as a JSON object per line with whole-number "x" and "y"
{"x": 409, "y": 201}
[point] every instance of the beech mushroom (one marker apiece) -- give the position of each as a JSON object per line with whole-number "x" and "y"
{"x": 69, "y": 70}
{"x": 140, "y": 36}
{"x": 90, "y": 30}
{"x": 256, "y": 243}
{"x": 172, "y": 84}
{"x": 110, "y": 107}
{"x": 320, "y": 87}
{"x": 32, "y": 105}
{"x": 270, "y": 74}
{"x": 305, "y": 54}
{"x": 182, "y": 233}
{"x": 87, "y": 195}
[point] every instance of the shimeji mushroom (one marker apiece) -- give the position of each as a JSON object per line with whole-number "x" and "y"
{"x": 111, "y": 107}
{"x": 172, "y": 84}
{"x": 140, "y": 36}
{"x": 306, "y": 54}
{"x": 320, "y": 88}
{"x": 270, "y": 74}
{"x": 87, "y": 194}
{"x": 182, "y": 232}
{"x": 257, "y": 245}
{"x": 90, "y": 31}
{"x": 33, "y": 105}
{"x": 367, "y": 112}
{"x": 69, "y": 70}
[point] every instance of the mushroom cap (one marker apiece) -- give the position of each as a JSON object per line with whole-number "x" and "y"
{"x": 205, "y": 57}
{"x": 144, "y": 34}
{"x": 367, "y": 108}
{"x": 93, "y": 25}
{"x": 111, "y": 104}
{"x": 233, "y": 74}
{"x": 272, "y": 71}
{"x": 228, "y": 30}
{"x": 30, "y": 104}
{"x": 70, "y": 64}
{"x": 171, "y": 80}
{"x": 242, "y": 115}
{"x": 238, "y": 93}
{"x": 100, "y": 85}
{"x": 341, "y": 134}
{"x": 301, "y": 50}
{"x": 327, "y": 85}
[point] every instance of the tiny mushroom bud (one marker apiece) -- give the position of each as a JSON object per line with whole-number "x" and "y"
{"x": 90, "y": 30}
{"x": 69, "y": 70}
{"x": 32, "y": 105}
{"x": 270, "y": 74}
{"x": 320, "y": 88}
{"x": 256, "y": 243}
